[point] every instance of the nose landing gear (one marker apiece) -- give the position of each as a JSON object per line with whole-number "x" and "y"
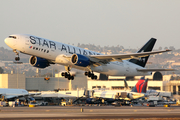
{"x": 17, "y": 58}
{"x": 17, "y": 53}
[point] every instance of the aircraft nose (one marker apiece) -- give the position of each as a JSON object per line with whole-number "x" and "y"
{"x": 8, "y": 42}
{"x": 5, "y": 40}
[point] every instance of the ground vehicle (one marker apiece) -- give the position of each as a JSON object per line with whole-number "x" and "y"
{"x": 33, "y": 104}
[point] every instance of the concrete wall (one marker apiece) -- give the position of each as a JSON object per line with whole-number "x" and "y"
{"x": 80, "y": 82}
{"x": 40, "y": 84}
{"x": 174, "y": 86}
{"x": 16, "y": 81}
{"x": 3, "y": 80}
{"x": 45, "y": 85}
{"x": 10, "y": 81}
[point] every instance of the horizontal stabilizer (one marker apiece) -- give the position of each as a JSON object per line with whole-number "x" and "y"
{"x": 153, "y": 70}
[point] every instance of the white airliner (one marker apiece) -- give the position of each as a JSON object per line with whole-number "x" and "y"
{"x": 13, "y": 94}
{"x": 123, "y": 96}
{"x": 138, "y": 91}
{"x": 45, "y": 52}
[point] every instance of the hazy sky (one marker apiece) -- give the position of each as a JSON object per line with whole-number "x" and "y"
{"x": 130, "y": 23}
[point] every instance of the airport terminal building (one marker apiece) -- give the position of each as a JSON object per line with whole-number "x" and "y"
{"x": 82, "y": 82}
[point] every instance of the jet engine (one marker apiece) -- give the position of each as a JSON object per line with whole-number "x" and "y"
{"x": 38, "y": 62}
{"x": 80, "y": 60}
{"x": 129, "y": 95}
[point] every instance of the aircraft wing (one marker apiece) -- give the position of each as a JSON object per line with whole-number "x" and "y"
{"x": 120, "y": 57}
{"x": 33, "y": 94}
{"x": 152, "y": 70}
{"x": 15, "y": 97}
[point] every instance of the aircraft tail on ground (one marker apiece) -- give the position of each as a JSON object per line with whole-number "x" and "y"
{"x": 140, "y": 86}
{"x": 146, "y": 48}
{"x": 126, "y": 85}
{"x": 144, "y": 89}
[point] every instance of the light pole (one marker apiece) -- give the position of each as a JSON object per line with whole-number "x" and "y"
{"x": 58, "y": 80}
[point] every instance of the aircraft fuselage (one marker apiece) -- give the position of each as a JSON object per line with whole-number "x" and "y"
{"x": 60, "y": 53}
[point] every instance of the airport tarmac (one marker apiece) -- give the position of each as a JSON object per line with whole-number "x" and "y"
{"x": 89, "y": 112}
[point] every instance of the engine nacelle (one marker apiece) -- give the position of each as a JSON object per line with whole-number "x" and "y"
{"x": 80, "y": 60}
{"x": 129, "y": 95}
{"x": 38, "y": 62}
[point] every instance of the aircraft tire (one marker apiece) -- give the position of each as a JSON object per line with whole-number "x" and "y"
{"x": 86, "y": 73}
{"x": 92, "y": 76}
{"x": 89, "y": 74}
{"x": 63, "y": 74}
{"x": 17, "y": 58}
{"x": 66, "y": 75}
{"x": 69, "y": 78}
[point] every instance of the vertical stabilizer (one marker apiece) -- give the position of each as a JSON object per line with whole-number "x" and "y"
{"x": 144, "y": 88}
{"x": 139, "y": 85}
{"x": 126, "y": 85}
{"x": 146, "y": 48}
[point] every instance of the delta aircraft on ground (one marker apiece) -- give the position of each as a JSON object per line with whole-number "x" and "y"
{"x": 45, "y": 52}
{"x": 124, "y": 96}
{"x": 138, "y": 91}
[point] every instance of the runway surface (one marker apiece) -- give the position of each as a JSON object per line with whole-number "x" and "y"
{"x": 89, "y": 112}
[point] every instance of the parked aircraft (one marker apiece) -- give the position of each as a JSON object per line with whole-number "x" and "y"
{"x": 136, "y": 92}
{"x": 123, "y": 96}
{"x": 45, "y": 52}
{"x": 13, "y": 94}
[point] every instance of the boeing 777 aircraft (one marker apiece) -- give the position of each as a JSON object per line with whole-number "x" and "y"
{"x": 45, "y": 52}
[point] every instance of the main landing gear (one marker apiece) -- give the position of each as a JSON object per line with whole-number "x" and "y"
{"x": 67, "y": 74}
{"x": 16, "y": 58}
{"x": 91, "y": 75}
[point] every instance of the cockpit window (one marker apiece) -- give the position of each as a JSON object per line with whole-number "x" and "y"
{"x": 12, "y": 37}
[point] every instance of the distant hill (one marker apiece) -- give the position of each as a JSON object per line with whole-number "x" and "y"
{"x": 9, "y": 55}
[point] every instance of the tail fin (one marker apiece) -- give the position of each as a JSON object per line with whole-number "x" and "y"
{"x": 144, "y": 88}
{"x": 126, "y": 85}
{"x": 140, "y": 86}
{"x": 146, "y": 48}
